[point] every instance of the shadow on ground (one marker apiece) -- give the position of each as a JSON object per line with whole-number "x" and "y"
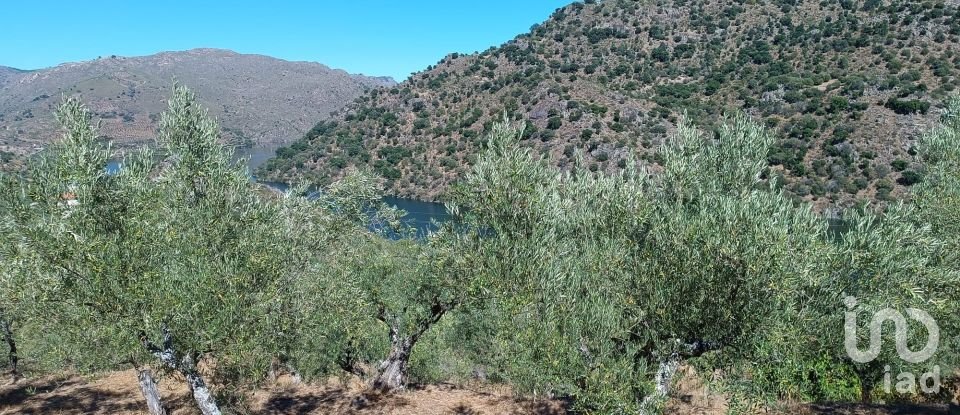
{"x": 425, "y": 400}
{"x": 116, "y": 393}
{"x": 863, "y": 409}
{"x": 69, "y": 396}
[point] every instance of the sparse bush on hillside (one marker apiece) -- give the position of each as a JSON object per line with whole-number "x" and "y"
{"x": 908, "y": 106}
{"x": 770, "y": 59}
{"x": 554, "y": 123}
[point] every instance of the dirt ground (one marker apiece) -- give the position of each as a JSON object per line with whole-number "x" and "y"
{"x": 116, "y": 393}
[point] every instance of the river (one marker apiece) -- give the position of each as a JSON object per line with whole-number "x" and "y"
{"x": 420, "y": 215}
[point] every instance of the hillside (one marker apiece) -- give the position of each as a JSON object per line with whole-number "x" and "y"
{"x": 7, "y": 73}
{"x": 257, "y": 99}
{"x": 847, "y": 85}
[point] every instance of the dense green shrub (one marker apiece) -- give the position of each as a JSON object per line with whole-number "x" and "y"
{"x": 554, "y": 123}
{"x": 907, "y": 106}
{"x": 910, "y": 177}
{"x": 661, "y": 53}
{"x": 394, "y": 154}
{"x": 899, "y": 164}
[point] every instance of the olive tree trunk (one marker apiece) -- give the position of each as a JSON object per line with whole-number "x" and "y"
{"x": 186, "y": 366}
{"x": 392, "y": 371}
{"x": 867, "y": 374}
{"x": 667, "y": 367}
{"x": 662, "y": 381}
{"x": 148, "y": 386}
{"x": 12, "y": 358}
{"x": 201, "y": 393}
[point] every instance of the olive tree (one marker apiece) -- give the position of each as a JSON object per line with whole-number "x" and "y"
{"x": 321, "y": 309}
{"x": 389, "y": 289}
{"x": 886, "y": 260}
{"x": 10, "y": 288}
{"x": 937, "y": 199}
{"x": 178, "y": 256}
{"x": 38, "y": 330}
{"x": 937, "y": 204}
{"x": 11, "y": 308}
{"x": 605, "y": 284}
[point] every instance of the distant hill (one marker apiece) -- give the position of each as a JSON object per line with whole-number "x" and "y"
{"x": 8, "y": 72}
{"x": 257, "y": 99}
{"x": 846, "y": 84}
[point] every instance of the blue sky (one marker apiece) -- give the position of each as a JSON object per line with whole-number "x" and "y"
{"x": 372, "y": 37}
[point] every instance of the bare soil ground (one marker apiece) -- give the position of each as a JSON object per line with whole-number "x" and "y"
{"x": 116, "y": 393}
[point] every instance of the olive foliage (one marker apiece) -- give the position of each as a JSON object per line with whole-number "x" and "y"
{"x": 895, "y": 257}
{"x": 593, "y": 286}
{"x": 607, "y": 283}
{"x": 177, "y": 256}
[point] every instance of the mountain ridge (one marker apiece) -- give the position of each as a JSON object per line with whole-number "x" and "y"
{"x": 846, "y": 87}
{"x": 258, "y": 99}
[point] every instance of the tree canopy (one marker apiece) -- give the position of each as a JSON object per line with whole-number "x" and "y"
{"x": 563, "y": 282}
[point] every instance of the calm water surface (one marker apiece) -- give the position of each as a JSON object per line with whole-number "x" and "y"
{"x": 420, "y": 215}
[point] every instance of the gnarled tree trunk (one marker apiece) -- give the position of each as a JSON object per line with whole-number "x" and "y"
{"x": 148, "y": 386}
{"x": 187, "y": 367}
{"x": 201, "y": 394}
{"x": 12, "y": 358}
{"x": 662, "y": 381}
{"x": 392, "y": 371}
{"x": 866, "y": 373}
{"x": 667, "y": 368}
